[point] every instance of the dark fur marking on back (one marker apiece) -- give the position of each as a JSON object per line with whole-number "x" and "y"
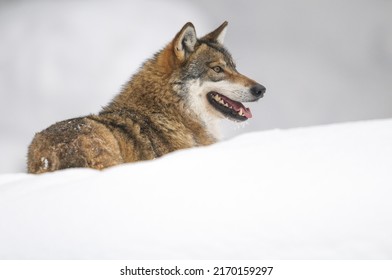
{"x": 147, "y": 128}
{"x": 114, "y": 125}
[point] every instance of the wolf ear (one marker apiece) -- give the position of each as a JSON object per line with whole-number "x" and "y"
{"x": 218, "y": 35}
{"x": 185, "y": 41}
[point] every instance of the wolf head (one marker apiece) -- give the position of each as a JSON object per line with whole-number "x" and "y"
{"x": 206, "y": 76}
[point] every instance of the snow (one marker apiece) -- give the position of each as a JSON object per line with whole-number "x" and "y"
{"x": 308, "y": 193}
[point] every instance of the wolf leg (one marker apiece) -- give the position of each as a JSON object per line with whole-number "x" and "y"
{"x": 78, "y": 142}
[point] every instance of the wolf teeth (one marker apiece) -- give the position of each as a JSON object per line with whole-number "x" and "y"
{"x": 221, "y": 101}
{"x": 241, "y": 113}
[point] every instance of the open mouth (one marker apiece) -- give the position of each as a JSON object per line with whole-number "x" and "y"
{"x": 229, "y": 108}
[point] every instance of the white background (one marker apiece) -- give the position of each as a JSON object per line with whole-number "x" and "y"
{"x": 282, "y": 270}
{"x": 321, "y": 61}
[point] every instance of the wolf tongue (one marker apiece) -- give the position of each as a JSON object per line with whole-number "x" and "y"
{"x": 247, "y": 113}
{"x": 237, "y": 106}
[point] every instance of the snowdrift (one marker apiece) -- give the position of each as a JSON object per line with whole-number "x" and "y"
{"x": 311, "y": 193}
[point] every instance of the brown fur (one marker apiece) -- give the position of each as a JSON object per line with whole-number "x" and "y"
{"x": 146, "y": 120}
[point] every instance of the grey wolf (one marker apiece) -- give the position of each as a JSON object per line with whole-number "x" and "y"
{"x": 175, "y": 101}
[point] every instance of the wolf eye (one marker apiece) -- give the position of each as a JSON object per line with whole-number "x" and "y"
{"x": 217, "y": 69}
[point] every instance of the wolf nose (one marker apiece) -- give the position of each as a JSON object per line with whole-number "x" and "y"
{"x": 258, "y": 90}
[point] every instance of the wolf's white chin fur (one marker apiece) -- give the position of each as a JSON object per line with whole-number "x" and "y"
{"x": 199, "y": 105}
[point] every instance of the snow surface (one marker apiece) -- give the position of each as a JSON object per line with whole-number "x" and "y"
{"x": 309, "y": 193}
